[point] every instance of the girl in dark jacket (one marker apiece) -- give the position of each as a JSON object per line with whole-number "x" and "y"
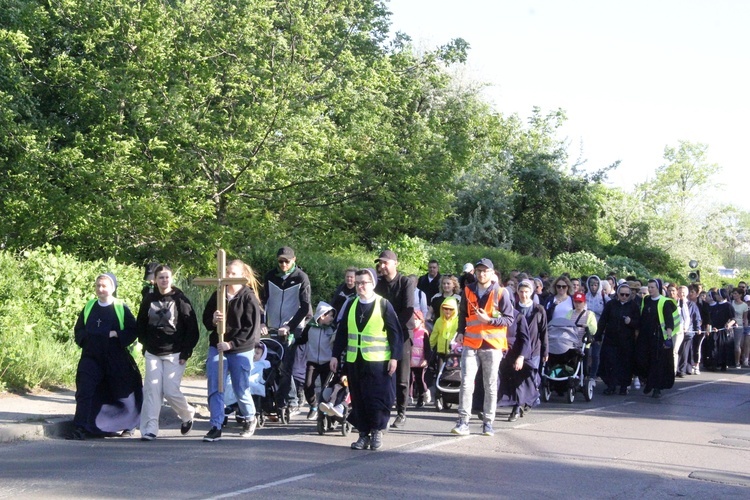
{"x": 242, "y": 333}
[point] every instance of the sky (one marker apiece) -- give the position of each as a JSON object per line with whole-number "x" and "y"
{"x": 632, "y": 76}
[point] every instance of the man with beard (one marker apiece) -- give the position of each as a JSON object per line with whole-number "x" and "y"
{"x": 399, "y": 290}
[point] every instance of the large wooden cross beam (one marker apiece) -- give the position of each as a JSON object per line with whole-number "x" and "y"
{"x": 221, "y": 282}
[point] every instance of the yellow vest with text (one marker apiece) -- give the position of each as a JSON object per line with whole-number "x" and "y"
{"x": 372, "y": 341}
{"x": 477, "y": 332}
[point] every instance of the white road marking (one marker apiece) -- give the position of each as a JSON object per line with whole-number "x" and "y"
{"x": 704, "y": 383}
{"x": 439, "y": 444}
{"x": 261, "y": 487}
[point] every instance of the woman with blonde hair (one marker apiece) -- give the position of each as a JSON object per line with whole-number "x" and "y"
{"x": 243, "y": 320}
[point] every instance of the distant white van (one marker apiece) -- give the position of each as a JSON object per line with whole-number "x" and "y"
{"x": 729, "y": 272}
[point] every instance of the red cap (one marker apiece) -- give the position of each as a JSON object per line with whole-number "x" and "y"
{"x": 579, "y": 297}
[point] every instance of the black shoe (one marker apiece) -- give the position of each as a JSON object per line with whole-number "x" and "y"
{"x": 362, "y": 443}
{"x": 514, "y": 414}
{"x": 78, "y": 434}
{"x": 647, "y": 389}
{"x": 399, "y": 422}
{"x": 148, "y": 437}
{"x": 186, "y": 427}
{"x": 213, "y": 435}
{"x": 679, "y": 375}
{"x": 609, "y": 391}
{"x": 420, "y": 404}
{"x": 657, "y": 393}
{"x": 623, "y": 391}
{"x": 377, "y": 440}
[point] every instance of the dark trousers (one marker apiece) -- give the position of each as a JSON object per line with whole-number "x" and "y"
{"x": 697, "y": 344}
{"x": 287, "y": 395}
{"x": 418, "y": 385}
{"x": 314, "y": 371}
{"x": 403, "y": 377}
{"x": 685, "y": 357}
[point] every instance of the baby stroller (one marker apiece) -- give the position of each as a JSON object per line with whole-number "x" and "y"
{"x": 334, "y": 407}
{"x": 564, "y": 371}
{"x": 448, "y": 382}
{"x": 265, "y": 406}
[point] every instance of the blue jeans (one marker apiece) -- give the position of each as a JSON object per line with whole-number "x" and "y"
{"x": 470, "y": 361}
{"x": 239, "y": 366}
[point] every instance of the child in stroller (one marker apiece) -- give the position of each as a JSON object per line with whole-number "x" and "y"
{"x": 263, "y": 382}
{"x": 334, "y": 406}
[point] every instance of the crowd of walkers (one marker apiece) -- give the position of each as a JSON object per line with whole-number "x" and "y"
{"x": 385, "y": 338}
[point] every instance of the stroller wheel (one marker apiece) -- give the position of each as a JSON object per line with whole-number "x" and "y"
{"x": 345, "y": 428}
{"x": 321, "y": 424}
{"x": 261, "y": 419}
{"x": 546, "y": 392}
{"x": 439, "y": 403}
{"x": 571, "y": 396}
{"x": 588, "y": 389}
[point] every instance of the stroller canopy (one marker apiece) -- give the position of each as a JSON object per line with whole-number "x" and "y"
{"x": 563, "y": 336}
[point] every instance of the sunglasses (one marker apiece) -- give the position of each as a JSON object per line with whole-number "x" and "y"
{"x": 624, "y": 295}
{"x": 561, "y": 286}
{"x": 283, "y": 261}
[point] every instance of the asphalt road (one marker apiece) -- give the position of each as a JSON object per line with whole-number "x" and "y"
{"x": 694, "y": 442}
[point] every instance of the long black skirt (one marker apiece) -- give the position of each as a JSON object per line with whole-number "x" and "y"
{"x": 616, "y": 364}
{"x": 373, "y": 393}
{"x": 109, "y": 389}
{"x": 518, "y": 387}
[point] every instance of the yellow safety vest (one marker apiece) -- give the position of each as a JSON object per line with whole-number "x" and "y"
{"x": 660, "y": 311}
{"x": 372, "y": 341}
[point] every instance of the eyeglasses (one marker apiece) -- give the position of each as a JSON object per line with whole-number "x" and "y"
{"x": 560, "y": 287}
{"x": 283, "y": 261}
{"x": 362, "y": 283}
{"x": 624, "y": 295}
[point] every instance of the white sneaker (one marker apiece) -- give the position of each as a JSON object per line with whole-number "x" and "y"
{"x": 636, "y": 383}
{"x": 338, "y": 410}
{"x": 325, "y": 408}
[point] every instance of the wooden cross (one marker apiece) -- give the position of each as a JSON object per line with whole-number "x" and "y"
{"x": 221, "y": 282}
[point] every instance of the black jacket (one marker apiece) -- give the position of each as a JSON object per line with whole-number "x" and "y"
{"x": 167, "y": 324}
{"x": 286, "y": 299}
{"x": 242, "y": 321}
{"x": 400, "y": 293}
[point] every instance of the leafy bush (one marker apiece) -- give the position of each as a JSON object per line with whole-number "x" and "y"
{"x": 577, "y": 264}
{"x": 625, "y": 266}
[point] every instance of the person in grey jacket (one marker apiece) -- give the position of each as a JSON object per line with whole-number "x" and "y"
{"x": 318, "y": 335}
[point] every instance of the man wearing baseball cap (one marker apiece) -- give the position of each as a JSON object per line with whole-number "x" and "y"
{"x": 485, "y": 312}
{"x": 286, "y": 302}
{"x": 399, "y": 290}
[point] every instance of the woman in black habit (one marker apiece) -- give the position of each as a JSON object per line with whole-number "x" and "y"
{"x": 617, "y": 331}
{"x": 372, "y": 346}
{"x": 519, "y": 370}
{"x": 654, "y": 358}
{"x": 109, "y": 390}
